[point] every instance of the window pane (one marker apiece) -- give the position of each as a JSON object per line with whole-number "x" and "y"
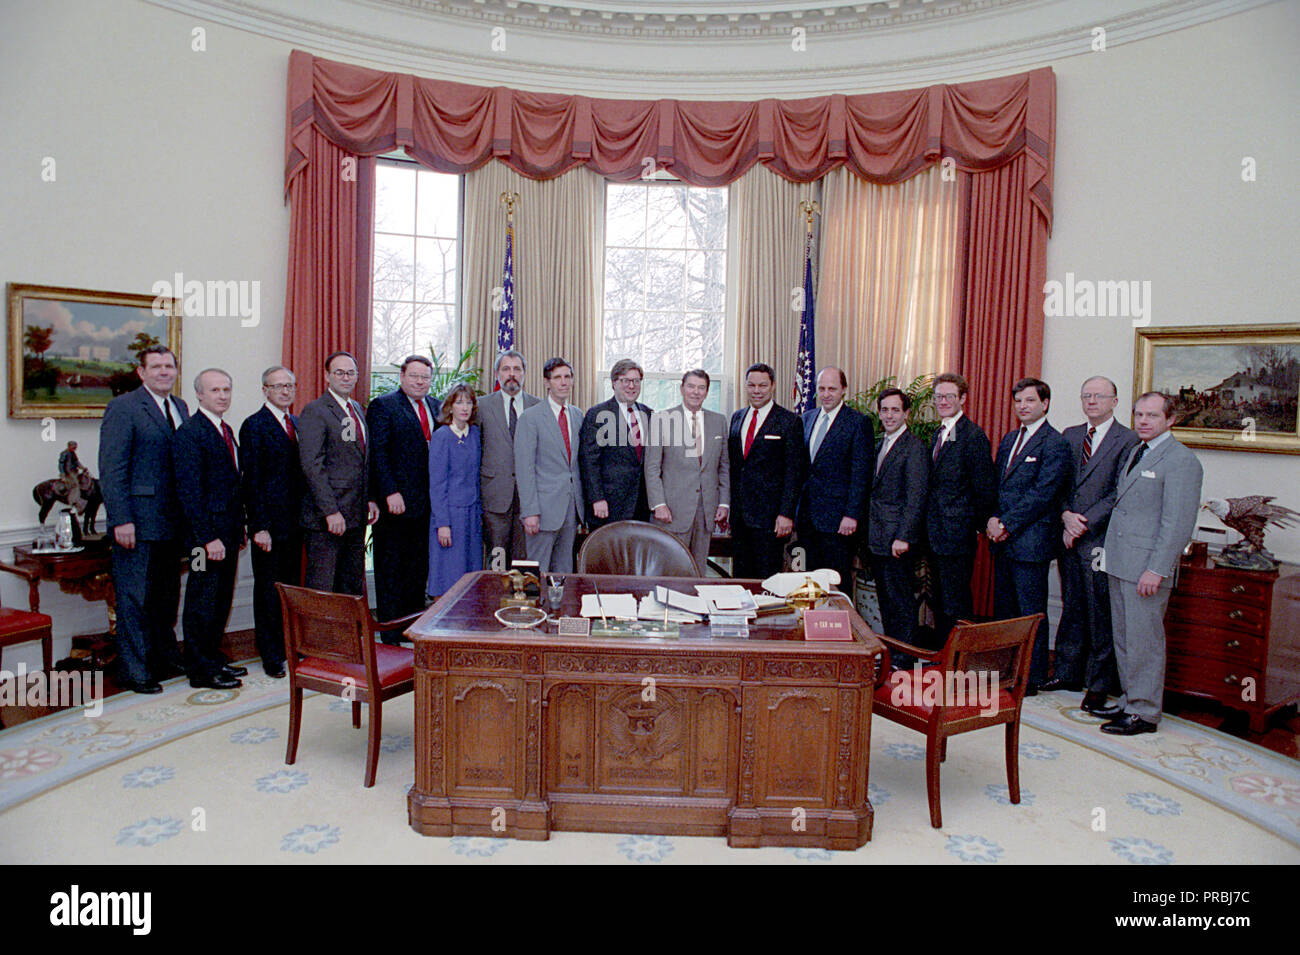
{"x": 434, "y": 329}
{"x": 437, "y": 205}
{"x": 624, "y": 278}
{"x": 435, "y": 272}
{"x": 394, "y": 276}
{"x": 394, "y": 197}
{"x": 625, "y": 212}
{"x": 392, "y": 332}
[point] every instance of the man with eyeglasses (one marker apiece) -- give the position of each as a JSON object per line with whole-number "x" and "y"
{"x": 611, "y": 451}
{"x": 401, "y": 423}
{"x": 962, "y": 493}
{"x": 1085, "y": 655}
{"x": 332, "y": 446}
{"x": 272, "y": 483}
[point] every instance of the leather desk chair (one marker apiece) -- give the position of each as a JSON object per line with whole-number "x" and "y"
{"x": 1002, "y": 646}
{"x": 637, "y": 549}
{"x": 329, "y": 646}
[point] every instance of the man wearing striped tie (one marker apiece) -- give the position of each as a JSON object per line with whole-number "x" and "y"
{"x": 1085, "y": 656}
{"x": 1033, "y": 466}
{"x": 272, "y": 483}
{"x": 611, "y": 451}
{"x": 401, "y": 423}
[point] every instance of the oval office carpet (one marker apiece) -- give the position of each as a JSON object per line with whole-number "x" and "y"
{"x": 198, "y": 776}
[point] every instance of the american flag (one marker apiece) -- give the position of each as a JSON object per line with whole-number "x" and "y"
{"x": 804, "y": 387}
{"x": 506, "y": 324}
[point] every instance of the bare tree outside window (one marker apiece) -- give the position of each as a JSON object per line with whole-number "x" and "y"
{"x": 666, "y": 283}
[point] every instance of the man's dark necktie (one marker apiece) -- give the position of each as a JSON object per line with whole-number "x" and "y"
{"x": 1016, "y": 450}
{"x": 167, "y": 409}
{"x": 514, "y": 419}
{"x": 1087, "y": 445}
{"x": 1142, "y": 449}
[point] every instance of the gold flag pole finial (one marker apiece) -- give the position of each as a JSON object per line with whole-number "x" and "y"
{"x": 810, "y": 208}
{"x": 510, "y": 200}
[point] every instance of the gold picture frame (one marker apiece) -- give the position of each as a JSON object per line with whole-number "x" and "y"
{"x": 1237, "y": 387}
{"x": 72, "y": 350}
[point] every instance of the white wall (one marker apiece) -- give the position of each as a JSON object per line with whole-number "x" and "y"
{"x": 1150, "y": 141}
{"x": 171, "y": 160}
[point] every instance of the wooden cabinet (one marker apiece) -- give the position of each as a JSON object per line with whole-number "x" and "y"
{"x": 1234, "y": 636}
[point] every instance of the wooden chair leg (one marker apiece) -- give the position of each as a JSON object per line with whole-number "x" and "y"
{"x": 372, "y": 747}
{"x": 933, "y": 745}
{"x": 295, "y": 723}
{"x": 356, "y": 715}
{"x": 1013, "y": 760}
{"x": 47, "y": 651}
{"x": 943, "y": 749}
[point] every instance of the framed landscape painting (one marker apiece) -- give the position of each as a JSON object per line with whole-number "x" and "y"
{"x": 1237, "y": 386}
{"x": 71, "y": 350}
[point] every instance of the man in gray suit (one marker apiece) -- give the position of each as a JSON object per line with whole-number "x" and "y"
{"x": 687, "y": 469}
{"x": 336, "y": 508}
{"x": 548, "y": 473}
{"x": 1085, "y": 656}
{"x": 498, "y": 417}
{"x": 1156, "y": 502}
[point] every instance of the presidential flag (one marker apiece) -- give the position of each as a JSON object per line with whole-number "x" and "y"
{"x": 506, "y": 324}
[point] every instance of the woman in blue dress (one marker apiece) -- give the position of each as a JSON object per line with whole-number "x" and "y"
{"x": 456, "y": 522}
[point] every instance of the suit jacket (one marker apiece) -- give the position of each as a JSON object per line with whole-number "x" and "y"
{"x": 1030, "y": 488}
{"x": 610, "y": 469}
{"x": 207, "y": 484}
{"x": 549, "y": 482}
{"x": 333, "y": 464}
{"x": 399, "y": 455}
{"x": 839, "y": 478}
{"x": 1090, "y": 490}
{"x": 1155, "y": 511}
{"x": 498, "y": 468}
{"x": 673, "y": 474}
{"x": 136, "y": 473}
{"x": 898, "y": 489}
{"x": 271, "y": 475}
{"x": 963, "y": 490}
{"x": 768, "y": 482}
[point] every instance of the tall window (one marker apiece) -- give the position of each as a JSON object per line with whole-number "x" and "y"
{"x": 666, "y": 284}
{"x": 416, "y": 265}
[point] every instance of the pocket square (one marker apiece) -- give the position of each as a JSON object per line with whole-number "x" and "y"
{"x": 772, "y": 437}
{"x": 1149, "y": 474}
{"x": 1030, "y": 460}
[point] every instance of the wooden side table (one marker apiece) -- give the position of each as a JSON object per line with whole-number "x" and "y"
{"x": 1234, "y": 636}
{"x": 88, "y": 574}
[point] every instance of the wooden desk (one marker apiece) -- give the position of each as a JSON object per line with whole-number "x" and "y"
{"x": 517, "y": 733}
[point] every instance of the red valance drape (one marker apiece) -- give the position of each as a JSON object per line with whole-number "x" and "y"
{"x": 1000, "y": 132}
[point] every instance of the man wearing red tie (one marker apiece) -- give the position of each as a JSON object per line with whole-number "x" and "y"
{"x": 768, "y": 462}
{"x": 401, "y": 424}
{"x": 612, "y": 451}
{"x": 332, "y": 447}
{"x": 272, "y": 481}
{"x": 206, "y": 460}
{"x": 547, "y": 472}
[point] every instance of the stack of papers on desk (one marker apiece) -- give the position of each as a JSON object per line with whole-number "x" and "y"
{"x": 609, "y": 606}
{"x": 652, "y": 609}
{"x": 727, "y": 599}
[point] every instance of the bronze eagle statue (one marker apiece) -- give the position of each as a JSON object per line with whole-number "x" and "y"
{"x": 1249, "y": 516}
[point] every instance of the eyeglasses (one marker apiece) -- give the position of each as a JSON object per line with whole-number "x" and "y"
{"x": 1089, "y": 396}
{"x": 625, "y": 380}
{"x": 419, "y": 379}
{"x": 343, "y": 374}
{"x": 946, "y": 397}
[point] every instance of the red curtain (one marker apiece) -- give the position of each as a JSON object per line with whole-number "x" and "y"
{"x": 999, "y": 133}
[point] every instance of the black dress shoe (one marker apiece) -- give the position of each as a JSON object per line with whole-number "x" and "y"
{"x": 215, "y": 681}
{"x": 1092, "y": 702}
{"x": 1051, "y": 686}
{"x": 1129, "y": 724}
{"x": 1111, "y": 711}
{"x": 234, "y": 670}
{"x": 274, "y": 670}
{"x": 148, "y": 687}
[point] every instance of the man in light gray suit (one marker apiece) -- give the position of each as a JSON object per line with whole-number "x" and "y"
{"x": 498, "y": 418}
{"x": 687, "y": 469}
{"x": 1085, "y": 656}
{"x": 548, "y": 473}
{"x": 1156, "y": 502}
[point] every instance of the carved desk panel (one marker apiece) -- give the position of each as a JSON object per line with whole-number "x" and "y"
{"x": 765, "y": 741}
